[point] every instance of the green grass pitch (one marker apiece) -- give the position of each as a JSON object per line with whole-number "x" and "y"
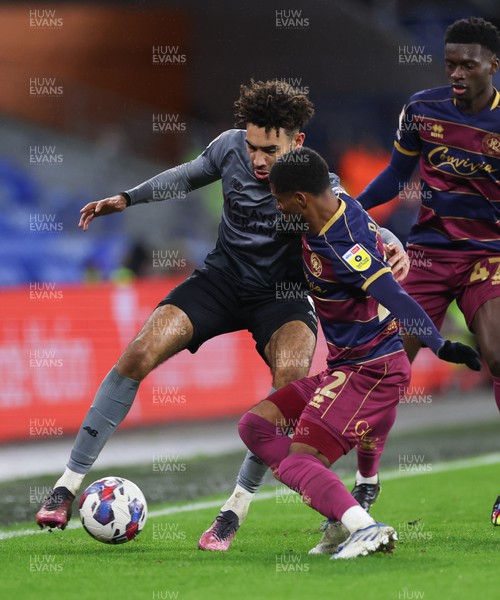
{"x": 447, "y": 550}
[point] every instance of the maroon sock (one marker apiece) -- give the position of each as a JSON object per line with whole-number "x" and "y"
{"x": 368, "y": 461}
{"x": 320, "y": 488}
{"x": 265, "y": 440}
{"x": 371, "y": 448}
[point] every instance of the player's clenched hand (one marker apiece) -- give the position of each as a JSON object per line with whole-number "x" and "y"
{"x": 456, "y": 352}
{"x": 398, "y": 261}
{"x": 101, "y": 208}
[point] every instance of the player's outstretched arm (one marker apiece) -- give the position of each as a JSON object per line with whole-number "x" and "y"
{"x": 178, "y": 181}
{"x": 416, "y": 322}
{"x": 172, "y": 183}
{"x": 101, "y": 208}
{"x": 390, "y": 182}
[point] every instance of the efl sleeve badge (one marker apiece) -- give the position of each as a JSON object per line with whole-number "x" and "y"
{"x": 358, "y": 258}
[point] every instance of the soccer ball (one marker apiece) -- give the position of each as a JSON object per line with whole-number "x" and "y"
{"x": 113, "y": 510}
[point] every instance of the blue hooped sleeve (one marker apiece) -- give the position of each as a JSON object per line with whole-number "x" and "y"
{"x": 390, "y": 182}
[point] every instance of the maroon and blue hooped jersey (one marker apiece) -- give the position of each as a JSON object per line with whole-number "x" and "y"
{"x": 340, "y": 263}
{"x": 459, "y": 168}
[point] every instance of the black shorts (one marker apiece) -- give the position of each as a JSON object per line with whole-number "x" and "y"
{"x": 216, "y": 304}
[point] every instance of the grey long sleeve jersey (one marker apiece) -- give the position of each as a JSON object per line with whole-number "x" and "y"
{"x": 256, "y": 247}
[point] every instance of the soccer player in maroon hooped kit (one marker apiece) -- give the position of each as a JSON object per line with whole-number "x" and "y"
{"x": 236, "y": 289}
{"x": 453, "y": 132}
{"x": 357, "y": 301}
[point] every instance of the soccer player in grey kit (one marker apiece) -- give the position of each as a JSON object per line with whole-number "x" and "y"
{"x": 234, "y": 290}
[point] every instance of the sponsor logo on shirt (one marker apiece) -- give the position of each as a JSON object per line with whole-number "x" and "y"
{"x": 357, "y": 258}
{"x": 437, "y": 131}
{"x": 442, "y": 156}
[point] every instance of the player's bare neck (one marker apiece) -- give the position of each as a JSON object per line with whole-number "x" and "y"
{"x": 476, "y": 105}
{"x": 321, "y": 212}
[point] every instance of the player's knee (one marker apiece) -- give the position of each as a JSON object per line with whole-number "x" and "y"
{"x": 246, "y": 431}
{"x": 255, "y": 430}
{"x": 250, "y": 432}
{"x": 136, "y": 362}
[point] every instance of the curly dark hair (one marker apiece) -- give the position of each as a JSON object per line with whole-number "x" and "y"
{"x": 474, "y": 30}
{"x": 273, "y": 104}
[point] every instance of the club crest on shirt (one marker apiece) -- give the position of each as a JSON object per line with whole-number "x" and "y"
{"x": 316, "y": 266}
{"x": 357, "y": 258}
{"x": 491, "y": 144}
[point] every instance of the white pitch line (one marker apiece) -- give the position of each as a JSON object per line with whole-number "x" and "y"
{"x": 443, "y": 467}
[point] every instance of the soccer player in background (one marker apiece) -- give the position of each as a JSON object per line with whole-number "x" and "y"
{"x": 236, "y": 289}
{"x": 453, "y": 133}
{"x": 357, "y": 301}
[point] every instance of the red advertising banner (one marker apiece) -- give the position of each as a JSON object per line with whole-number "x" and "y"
{"x": 57, "y": 344}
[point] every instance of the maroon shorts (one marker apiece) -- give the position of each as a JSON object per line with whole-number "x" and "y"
{"x": 437, "y": 277}
{"x": 341, "y": 406}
